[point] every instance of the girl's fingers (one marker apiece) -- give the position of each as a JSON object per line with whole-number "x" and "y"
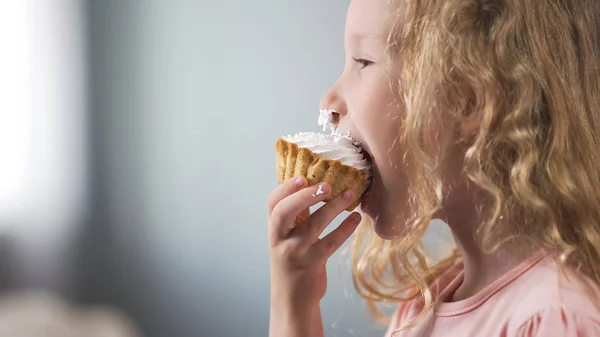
{"x": 320, "y": 219}
{"x": 303, "y": 216}
{"x": 284, "y": 217}
{"x": 325, "y": 247}
{"x": 287, "y": 188}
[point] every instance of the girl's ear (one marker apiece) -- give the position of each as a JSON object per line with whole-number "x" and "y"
{"x": 470, "y": 124}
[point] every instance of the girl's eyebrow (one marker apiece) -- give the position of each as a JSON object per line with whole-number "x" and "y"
{"x": 366, "y": 36}
{"x": 359, "y": 36}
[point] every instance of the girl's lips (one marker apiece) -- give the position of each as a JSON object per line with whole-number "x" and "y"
{"x": 367, "y": 155}
{"x": 367, "y": 192}
{"x": 369, "y": 159}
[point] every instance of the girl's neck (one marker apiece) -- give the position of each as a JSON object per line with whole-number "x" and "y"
{"x": 481, "y": 269}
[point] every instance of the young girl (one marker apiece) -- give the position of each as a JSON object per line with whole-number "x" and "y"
{"x": 482, "y": 113}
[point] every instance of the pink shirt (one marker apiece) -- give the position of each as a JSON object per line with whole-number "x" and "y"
{"x": 533, "y": 299}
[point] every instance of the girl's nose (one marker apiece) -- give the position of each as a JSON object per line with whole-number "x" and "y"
{"x": 333, "y": 100}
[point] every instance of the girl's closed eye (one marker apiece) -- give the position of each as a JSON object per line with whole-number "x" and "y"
{"x": 363, "y": 63}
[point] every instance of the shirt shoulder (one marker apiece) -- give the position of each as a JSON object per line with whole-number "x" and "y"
{"x": 560, "y": 322}
{"x": 551, "y": 301}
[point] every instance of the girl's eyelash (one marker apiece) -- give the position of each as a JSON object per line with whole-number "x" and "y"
{"x": 363, "y": 63}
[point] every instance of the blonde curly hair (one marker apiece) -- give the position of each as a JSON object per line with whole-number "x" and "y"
{"x": 530, "y": 70}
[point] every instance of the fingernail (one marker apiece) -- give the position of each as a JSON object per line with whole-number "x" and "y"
{"x": 300, "y": 181}
{"x": 348, "y": 196}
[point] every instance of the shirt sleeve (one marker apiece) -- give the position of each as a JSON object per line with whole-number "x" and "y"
{"x": 560, "y": 322}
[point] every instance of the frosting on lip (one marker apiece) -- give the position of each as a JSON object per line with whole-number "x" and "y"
{"x": 326, "y": 120}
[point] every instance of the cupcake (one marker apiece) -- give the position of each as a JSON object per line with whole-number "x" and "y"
{"x": 336, "y": 159}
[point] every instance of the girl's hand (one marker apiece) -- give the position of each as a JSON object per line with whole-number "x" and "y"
{"x": 298, "y": 256}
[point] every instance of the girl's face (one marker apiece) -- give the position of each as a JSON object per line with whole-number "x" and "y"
{"x": 368, "y": 108}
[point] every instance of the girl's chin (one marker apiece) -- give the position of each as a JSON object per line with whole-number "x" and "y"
{"x": 385, "y": 224}
{"x": 384, "y": 229}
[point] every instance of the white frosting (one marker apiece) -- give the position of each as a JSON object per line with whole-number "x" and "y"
{"x": 332, "y": 147}
{"x": 326, "y": 120}
{"x": 319, "y": 191}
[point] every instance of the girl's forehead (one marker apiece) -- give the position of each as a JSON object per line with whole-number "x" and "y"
{"x": 367, "y": 19}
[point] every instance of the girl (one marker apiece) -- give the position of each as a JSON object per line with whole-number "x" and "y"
{"x": 482, "y": 113}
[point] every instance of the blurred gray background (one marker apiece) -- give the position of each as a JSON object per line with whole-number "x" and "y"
{"x": 149, "y": 135}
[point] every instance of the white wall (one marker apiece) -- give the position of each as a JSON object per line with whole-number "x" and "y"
{"x": 190, "y": 97}
{"x": 43, "y": 166}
